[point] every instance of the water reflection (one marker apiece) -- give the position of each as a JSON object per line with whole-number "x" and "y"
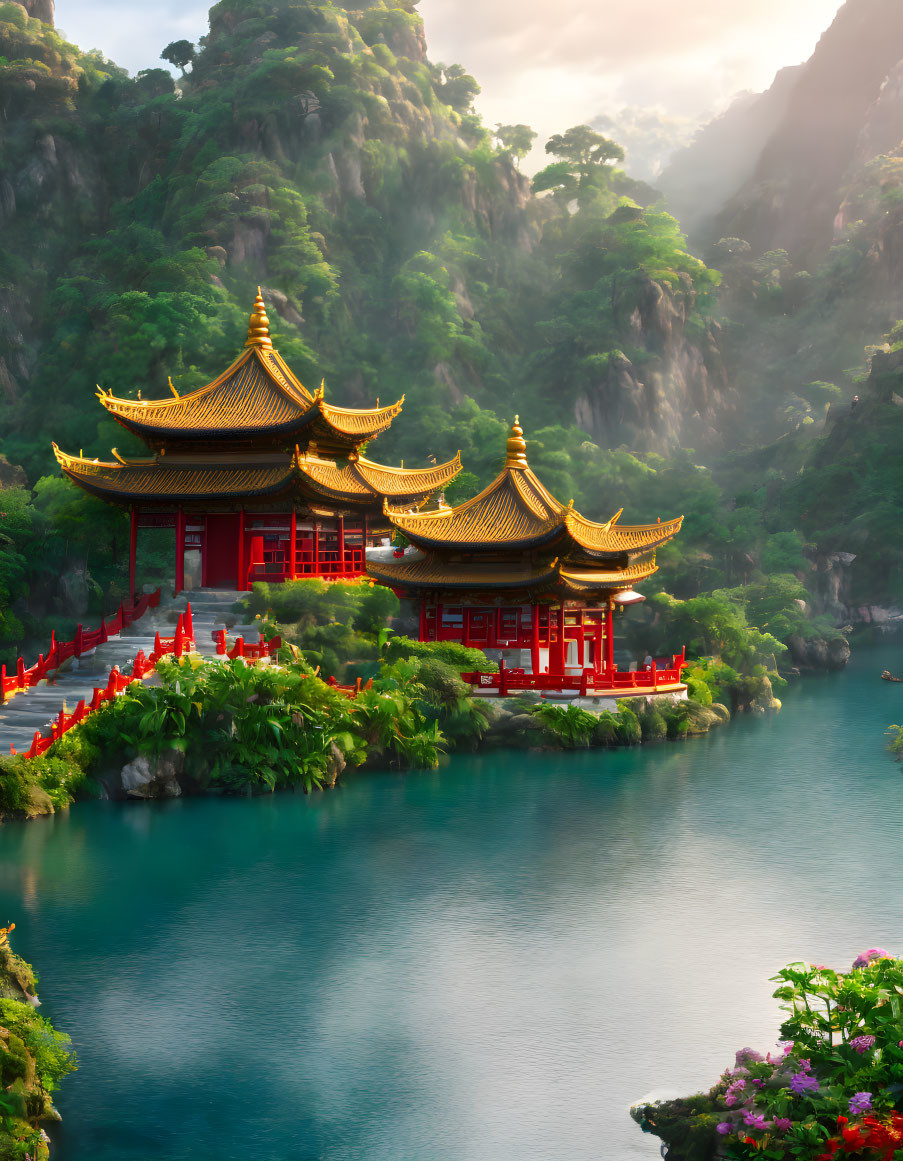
{"x": 483, "y": 964}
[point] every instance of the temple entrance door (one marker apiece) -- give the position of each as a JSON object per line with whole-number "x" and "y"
{"x": 222, "y": 550}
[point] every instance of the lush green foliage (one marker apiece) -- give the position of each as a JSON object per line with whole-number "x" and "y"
{"x": 34, "y": 1058}
{"x": 833, "y": 1088}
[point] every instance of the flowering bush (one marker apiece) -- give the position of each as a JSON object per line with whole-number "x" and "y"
{"x": 833, "y": 1088}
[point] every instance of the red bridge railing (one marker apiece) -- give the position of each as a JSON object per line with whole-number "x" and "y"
{"x": 180, "y": 643}
{"x": 85, "y": 640}
{"x": 249, "y": 650}
{"x": 588, "y": 682}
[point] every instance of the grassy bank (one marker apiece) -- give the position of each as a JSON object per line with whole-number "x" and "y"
{"x": 34, "y": 1058}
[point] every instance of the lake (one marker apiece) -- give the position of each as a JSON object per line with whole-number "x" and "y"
{"x": 485, "y": 963}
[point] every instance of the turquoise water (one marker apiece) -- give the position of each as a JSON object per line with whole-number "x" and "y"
{"x": 488, "y": 963}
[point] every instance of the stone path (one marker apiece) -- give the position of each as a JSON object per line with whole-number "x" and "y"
{"x": 34, "y": 709}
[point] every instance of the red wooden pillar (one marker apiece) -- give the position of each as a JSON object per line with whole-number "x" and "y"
{"x": 133, "y": 548}
{"x": 534, "y": 644}
{"x": 609, "y": 639}
{"x": 422, "y": 619}
{"x": 292, "y": 545}
{"x": 364, "y": 541}
{"x": 316, "y": 568}
{"x": 205, "y": 554}
{"x": 242, "y": 581}
{"x": 343, "y": 565}
{"x": 581, "y": 640}
{"x": 557, "y": 653}
{"x": 438, "y": 636}
{"x": 465, "y": 627}
{"x": 180, "y": 550}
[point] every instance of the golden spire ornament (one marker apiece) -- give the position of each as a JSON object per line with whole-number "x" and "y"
{"x": 259, "y": 325}
{"x": 517, "y": 447}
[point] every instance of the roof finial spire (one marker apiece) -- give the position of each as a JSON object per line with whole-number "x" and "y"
{"x": 517, "y": 446}
{"x": 259, "y": 326}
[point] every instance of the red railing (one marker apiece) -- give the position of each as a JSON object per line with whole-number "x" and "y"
{"x": 350, "y": 691}
{"x": 84, "y": 642}
{"x": 181, "y": 642}
{"x": 588, "y": 682}
{"x": 249, "y": 650}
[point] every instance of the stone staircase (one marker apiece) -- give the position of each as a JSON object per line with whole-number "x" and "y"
{"x": 34, "y": 709}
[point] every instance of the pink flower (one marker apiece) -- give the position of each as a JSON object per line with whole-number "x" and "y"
{"x": 755, "y": 1120}
{"x": 862, "y": 1044}
{"x": 866, "y": 957}
{"x": 723, "y": 1127}
{"x": 782, "y": 1124}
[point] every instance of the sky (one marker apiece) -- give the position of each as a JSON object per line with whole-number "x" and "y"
{"x": 547, "y": 65}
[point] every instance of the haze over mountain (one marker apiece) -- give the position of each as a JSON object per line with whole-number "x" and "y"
{"x": 318, "y": 150}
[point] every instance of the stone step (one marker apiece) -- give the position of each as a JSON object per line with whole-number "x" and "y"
{"x": 33, "y": 710}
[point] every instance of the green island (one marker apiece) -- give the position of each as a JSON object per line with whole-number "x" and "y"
{"x": 534, "y": 456}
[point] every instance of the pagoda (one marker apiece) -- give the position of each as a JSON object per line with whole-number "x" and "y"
{"x": 527, "y": 579}
{"x": 260, "y": 479}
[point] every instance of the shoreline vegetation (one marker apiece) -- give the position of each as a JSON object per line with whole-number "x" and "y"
{"x": 831, "y": 1089}
{"x": 221, "y": 726}
{"x": 34, "y": 1058}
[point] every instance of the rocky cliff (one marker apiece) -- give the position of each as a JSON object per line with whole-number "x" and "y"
{"x": 315, "y": 149}
{"x": 39, "y": 9}
{"x": 792, "y": 198}
{"x": 674, "y": 390}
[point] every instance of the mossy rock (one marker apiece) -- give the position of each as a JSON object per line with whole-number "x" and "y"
{"x": 686, "y": 1127}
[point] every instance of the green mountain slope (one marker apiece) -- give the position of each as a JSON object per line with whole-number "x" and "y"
{"x": 315, "y": 149}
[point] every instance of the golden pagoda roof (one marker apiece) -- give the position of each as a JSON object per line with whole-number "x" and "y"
{"x": 431, "y": 571}
{"x": 580, "y": 580}
{"x": 363, "y": 477}
{"x": 516, "y": 511}
{"x": 257, "y": 396}
{"x": 157, "y": 480}
{"x": 173, "y": 478}
{"x": 613, "y": 539}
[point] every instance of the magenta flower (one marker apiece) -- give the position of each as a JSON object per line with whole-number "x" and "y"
{"x": 860, "y": 1102}
{"x": 782, "y": 1124}
{"x": 862, "y": 1044}
{"x": 786, "y": 1046}
{"x": 800, "y": 1083}
{"x": 900, "y": 1043}
{"x": 866, "y": 957}
{"x": 755, "y": 1120}
{"x": 724, "y": 1127}
{"x": 748, "y": 1056}
{"x": 805, "y": 1065}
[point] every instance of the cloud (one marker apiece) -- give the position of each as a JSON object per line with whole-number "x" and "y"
{"x": 556, "y": 66}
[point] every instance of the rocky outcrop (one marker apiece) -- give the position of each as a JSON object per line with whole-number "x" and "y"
{"x": 151, "y": 776}
{"x": 819, "y": 653}
{"x": 830, "y": 584}
{"x": 39, "y": 9}
{"x": 680, "y": 395}
{"x": 792, "y": 198}
{"x": 702, "y": 178}
{"x": 11, "y": 475}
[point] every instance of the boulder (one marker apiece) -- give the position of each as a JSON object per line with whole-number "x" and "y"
{"x": 335, "y": 764}
{"x": 153, "y": 776}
